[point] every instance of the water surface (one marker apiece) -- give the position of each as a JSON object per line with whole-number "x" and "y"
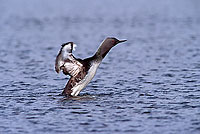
{"x": 150, "y": 84}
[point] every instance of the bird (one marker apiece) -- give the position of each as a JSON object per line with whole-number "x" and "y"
{"x": 81, "y": 71}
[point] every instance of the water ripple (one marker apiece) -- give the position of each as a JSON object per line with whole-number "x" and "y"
{"x": 150, "y": 84}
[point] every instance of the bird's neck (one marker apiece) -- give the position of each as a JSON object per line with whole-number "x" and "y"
{"x": 102, "y": 52}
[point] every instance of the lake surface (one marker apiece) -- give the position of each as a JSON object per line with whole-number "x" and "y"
{"x": 147, "y": 85}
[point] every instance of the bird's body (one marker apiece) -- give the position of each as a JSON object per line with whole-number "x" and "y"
{"x": 81, "y": 71}
{"x": 88, "y": 77}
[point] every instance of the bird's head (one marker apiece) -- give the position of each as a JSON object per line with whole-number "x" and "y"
{"x": 107, "y": 44}
{"x": 111, "y": 41}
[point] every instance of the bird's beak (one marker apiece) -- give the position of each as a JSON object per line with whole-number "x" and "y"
{"x": 120, "y": 41}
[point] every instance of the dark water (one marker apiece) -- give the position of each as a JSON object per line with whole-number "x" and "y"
{"x": 148, "y": 85}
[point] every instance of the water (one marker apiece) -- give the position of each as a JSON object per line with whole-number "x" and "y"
{"x": 150, "y": 84}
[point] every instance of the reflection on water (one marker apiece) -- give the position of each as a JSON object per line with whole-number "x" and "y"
{"x": 150, "y": 84}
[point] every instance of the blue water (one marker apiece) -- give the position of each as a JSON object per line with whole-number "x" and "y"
{"x": 148, "y": 85}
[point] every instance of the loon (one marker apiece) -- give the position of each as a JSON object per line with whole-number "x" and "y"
{"x": 81, "y": 71}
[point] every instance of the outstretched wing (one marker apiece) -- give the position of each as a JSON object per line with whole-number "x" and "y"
{"x": 74, "y": 80}
{"x": 58, "y": 62}
{"x": 65, "y": 56}
{"x": 71, "y": 66}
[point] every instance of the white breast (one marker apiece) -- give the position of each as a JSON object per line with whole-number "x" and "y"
{"x": 83, "y": 83}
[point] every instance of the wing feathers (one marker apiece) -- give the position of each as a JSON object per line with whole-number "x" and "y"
{"x": 67, "y": 63}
